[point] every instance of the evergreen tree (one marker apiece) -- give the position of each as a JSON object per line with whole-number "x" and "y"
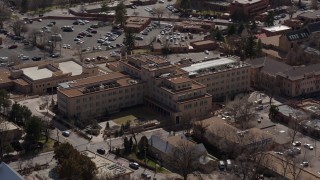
{"x": 129, "y": 40}
{"x": 34, "y": 127}
{"x": 24, "y": 5}
{"x": 240, "y": 29}
{"x": 120, "y": 13}
{"x": 250, "y": 47}
{"x": 259, "y": 48}
{"x": 231, "y": 29}
{"x": 269, "y": 19}
{"x": 104, "y": 7}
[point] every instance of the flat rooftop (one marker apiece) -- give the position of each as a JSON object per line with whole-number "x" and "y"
{"x": 103, "y": 85}
{"x": 246, "y": 1}
{"x": 35, "y": 73}
{"x": 7, "y": 126}
{"x": 277, "y": 28}
{"x": 70, "y": 67}
{"x": 199, "y": 43}
{"x": 137, "y": 20}
{"x": 95, "y": 79}
{"x": 178, "y": 80}
{"x": 290, "y": 111}
{"x": 212, "y": 66}
{"x": 105, "y": 166}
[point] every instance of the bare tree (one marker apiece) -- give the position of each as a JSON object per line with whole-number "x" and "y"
{"x": 314, "y": 4}
{"x": 19, "y": 27}
{"x": 14, "y": 60}
{"x": 294, "y": 124}
{"x": 159, "y": 11}
{"x": 185, "y": 158}
{"x": 20, "y": 163}
{"x": 32, "y": 36}
{"x": 5, "y": 14}
{"x": 290, "y": 164}
{"x": 79, "y": 51}
{"x": 291, "y": 10}
{"x": 135, "y": 13}
{"x": 55, "y": 29}
{"x": 199, "y": 128}
{"x": 243, "y": 112}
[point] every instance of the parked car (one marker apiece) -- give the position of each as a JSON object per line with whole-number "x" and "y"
{"x": 24, "y": 58}
{"x": 139, "y": 38}
{"x": 260, "y": 107}
{"x": 12, "y": 46}
{"x": 101, "y": 151}
{"x": 305, "y": 164}
{"x": 54, "y": 55}
{"x": 66, "y": 133}
{"x": 221, "y": 165}
{"x": 36, "y": 58}
{"x": 134, "y": 165}
{"x": 308, "y": 146}
{"x": 296, "y": 143}
{"x": 145, "y": 175}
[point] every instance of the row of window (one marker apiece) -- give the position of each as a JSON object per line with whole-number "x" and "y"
{"x": 201, "y": 103}
{"x": 109, "y": 94}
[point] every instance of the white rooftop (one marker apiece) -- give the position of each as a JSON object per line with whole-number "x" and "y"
{"x": 246, "y": 1}
{"x": 208, "y": 64}
{"x": 7, "y": 126}
{"x": 35, "y": 74}
{"x": 70, "y": 66}
{"x": 277, "y": 28}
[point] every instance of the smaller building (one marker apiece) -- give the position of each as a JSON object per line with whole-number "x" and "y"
{"x": 295, "y": 24}
{"x": 275, "y": 30}
{"x": 249, "y": 8}
{"x": 203, "y": 45}
{"x": 44, "y": 76}
{"x": 194, "y": 26}
{"x": 107, "y": 168}
{"x": 223, "y": 136}
{"x": 10, "y": 132}
{"x": 310, "y": 16}
{"x": 136, "y": 24}
{"x": 163, "y": 148}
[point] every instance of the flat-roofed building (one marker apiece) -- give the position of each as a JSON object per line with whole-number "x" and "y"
{"x": 95, "y": 96}
{"x": 270, "y": 74}
{"x": 176, "y": 92}
{"x": 223, "y": 135}
{"x": 222, "y": 77}
{"x": 249, "y": 8}
{"x": 44, "y": 76}
{"x": 194, "y": 26}
{"x": 168, "y": 87}
{"x": 137, "y": 24}
{"x": 203, "y": 45}
{"x": 275, "y": 30}
{"x": 9, "y": 132}
{"x": 108, "y": 168}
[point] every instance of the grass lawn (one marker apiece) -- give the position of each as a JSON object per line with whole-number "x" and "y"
{"x": 143, "y": 113}
{"x": 149, "y": 163}
{"x": 47, "y": 146}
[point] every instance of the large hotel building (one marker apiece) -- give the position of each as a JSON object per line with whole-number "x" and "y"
{"x": 176, "y": 91}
